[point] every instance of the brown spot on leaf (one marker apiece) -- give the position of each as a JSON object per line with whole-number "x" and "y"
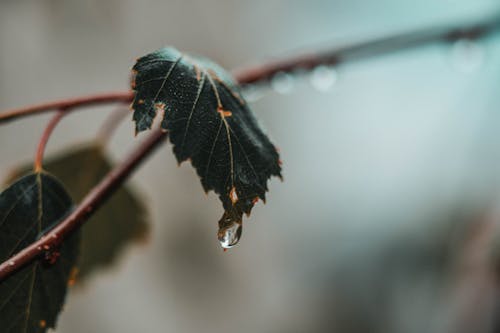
{"x": 224, "y": 113}
{"x": 51, "y": 257}
{"x": 233, "y": 195}
{"x": 213, "y": 75}
{"x": 72, "y": 276}
{"x": 198, "y": 72}
{"x": 160, "y": 106}
{"x": 132, "y": 80}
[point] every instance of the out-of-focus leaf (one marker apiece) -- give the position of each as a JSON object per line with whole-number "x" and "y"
{"x": 208, "y": 123}
{"x": 120, "y": 221}
{"x": 31, "y": 299}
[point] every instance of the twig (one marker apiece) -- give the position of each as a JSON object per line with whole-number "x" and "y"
{"x": 111, "y": 124}
{"x": 45, "y": 137}
{"x": 264, "y": 72}
{"x": 67, "y": 105}
{"x": 94, "y": 199}
{"x": 369, "y": 49}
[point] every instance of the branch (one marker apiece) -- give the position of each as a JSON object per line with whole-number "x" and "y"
{"x": 67, "y": 105}
{"x": 264, "y": 72}
{"x": 370, "y": 49}
{"x": 45, "y": 138}
{"x": 94, "y": 199}
{"x": 111, "y": 123}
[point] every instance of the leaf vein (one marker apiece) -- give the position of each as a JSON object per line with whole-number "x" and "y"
{"x": 18, "y": 199}
{"x": 7, "y": 299}
{"x": 30, "y": 298}
{"x": 167, "y": 75}
{"x": 248, "y": 160}
{"x": 212, "y": 150}
{"x": 201, "y": 84}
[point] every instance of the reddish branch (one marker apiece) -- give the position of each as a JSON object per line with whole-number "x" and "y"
{"x": 264, "y": 72}
{"x": 94, "y": 199}
{"x": 113, "y": 180}
{"x": 45, "y": 137}
{"x": 111, "y": 123}
{"x": 369, "y": 49}
{"x": 67, "y": 105}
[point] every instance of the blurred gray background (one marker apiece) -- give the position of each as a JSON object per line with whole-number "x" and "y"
{"x": 386, "y": 220}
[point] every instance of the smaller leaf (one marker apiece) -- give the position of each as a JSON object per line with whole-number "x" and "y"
{"x": 119, "y": 222}
{"x": 31, "y": 299}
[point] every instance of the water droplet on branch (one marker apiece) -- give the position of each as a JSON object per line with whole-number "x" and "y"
{"x": 467, "y": 55}
{"x": 253, "y": 93}
{"x": 323, "y": 78}
{"x": 230, "y": 228}
{"x": 282, "y": 83}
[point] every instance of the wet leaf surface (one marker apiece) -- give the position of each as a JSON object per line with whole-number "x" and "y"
{"x": 119, "y": 222}
{"x": 31, "y": 299}
{"x": 209, "y": 124}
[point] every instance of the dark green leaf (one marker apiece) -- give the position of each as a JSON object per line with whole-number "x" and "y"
{"x": 209, "y": 123}
{"x": 116, "y": 224}
{"x": 31, "y": 299}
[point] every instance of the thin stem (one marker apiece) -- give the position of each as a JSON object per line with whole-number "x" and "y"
{"x": 45, "y": 137}
{"x": 67, "y": 105}
{"x": 92, "y": 201}
{"x": 111, "y": 124}
{"x": 369, "y": 49}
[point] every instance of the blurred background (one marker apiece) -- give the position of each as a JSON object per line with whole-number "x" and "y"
{"x": 387, "y": 219}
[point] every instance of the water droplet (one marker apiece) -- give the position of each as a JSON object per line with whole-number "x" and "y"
{"x": 467, "y": 55}
{"x": 253, "y": 93}
{"x": 323, "y": 78}
{"x": 12, "y": 263}
{"x": 282, "y": 83}
{"x": 230, "y": 228}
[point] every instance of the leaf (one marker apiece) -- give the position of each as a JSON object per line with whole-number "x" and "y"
{"x": 121, "y": 221}
{"x": 31, "y": 299}
{"x": 209, "y": 123}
